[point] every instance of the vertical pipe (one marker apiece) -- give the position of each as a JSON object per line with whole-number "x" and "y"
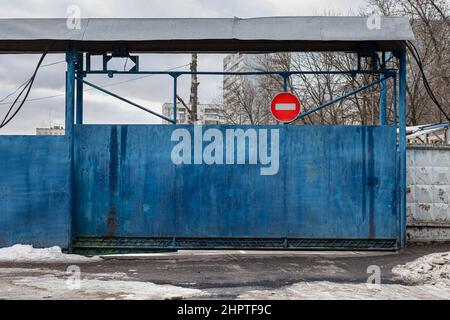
{"x": 79, "y": 110}
{"x": 70, "y": 92}
{"x": 402, "y": 145}
{"x": 105, "y": 62}
{"x": 383, "y": 100}
{"x": 175, "y": 98}
{"x": 69, "y": 125}
{"x": 395, "y": 101}
{"x": 285, "y": 82}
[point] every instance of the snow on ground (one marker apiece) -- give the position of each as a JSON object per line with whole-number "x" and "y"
{"x": 21, "y": 283}
{"x": 430, "y": 269}
{"x": 323, "y": 290}
{"x": 429, "y": 277}
{"x": 112, "y": 289}
{"x": 26, "y": 253}
{"x": 426, "y": 278}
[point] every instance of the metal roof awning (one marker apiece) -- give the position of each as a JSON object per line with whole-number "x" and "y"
{"x": 204, "y": 35}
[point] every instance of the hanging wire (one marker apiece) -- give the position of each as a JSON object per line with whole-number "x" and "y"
{"x": 26, "y": 88}
{"x": 415, "y": 54}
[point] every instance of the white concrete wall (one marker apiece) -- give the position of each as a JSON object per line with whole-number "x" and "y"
{"x": 428, "y": 192}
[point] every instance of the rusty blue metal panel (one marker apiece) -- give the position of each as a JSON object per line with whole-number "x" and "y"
{"x": 231, "y": 200}
{"x": 332, "y": 183}
{"x": 124, "y": 181}
{"x": 34, "y": 191}
{"x": 341, "y": 182}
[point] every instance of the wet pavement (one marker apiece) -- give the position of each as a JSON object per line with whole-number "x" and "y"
{"x": 222, "y": 275}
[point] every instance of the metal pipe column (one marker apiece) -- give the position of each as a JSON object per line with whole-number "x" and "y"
{"x": 175, "y": 89}
{"x": 383, "y": 94}
{"x": 383, "y": 100}
{"x": 70, "y": 92}
{"x": 402, "y": 144}
{"x": 79, "y": 111}
{"x": 69, "y": 130}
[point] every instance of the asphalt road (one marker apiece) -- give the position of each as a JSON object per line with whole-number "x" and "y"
{"x": 216, "y": 274}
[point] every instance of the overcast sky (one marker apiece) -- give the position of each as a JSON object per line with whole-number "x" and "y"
{"x": 152, "y": 91}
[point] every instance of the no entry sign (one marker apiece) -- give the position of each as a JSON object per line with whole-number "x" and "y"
{"x": 285, "y": 107}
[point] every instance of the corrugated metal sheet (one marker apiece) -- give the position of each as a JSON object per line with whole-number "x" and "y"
{"x": 256, "y": 34}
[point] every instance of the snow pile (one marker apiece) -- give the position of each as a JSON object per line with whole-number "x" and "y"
{"x": 324, "y": 290}
{"x": 89, "y": 288}
{"x": 26, "y": 253}
{"x": 45, "y": 283}
{"x": 433, "y": 268}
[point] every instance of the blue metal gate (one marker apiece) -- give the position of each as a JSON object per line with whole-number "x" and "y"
{"x": 335, "y": 188}
{"x": 116, "y": 187}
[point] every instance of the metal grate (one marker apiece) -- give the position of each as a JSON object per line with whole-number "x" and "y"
{"x": 142, "y": 245}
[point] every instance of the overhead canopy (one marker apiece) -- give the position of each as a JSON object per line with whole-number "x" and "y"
{"x": 205, "y": 35}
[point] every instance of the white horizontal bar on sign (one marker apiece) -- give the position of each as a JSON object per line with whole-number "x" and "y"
{"x": 285, "y": 106}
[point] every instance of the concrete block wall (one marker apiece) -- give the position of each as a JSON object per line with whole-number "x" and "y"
{"x": 428, "y": 192}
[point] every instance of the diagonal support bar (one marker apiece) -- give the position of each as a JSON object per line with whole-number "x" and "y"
{"x": 123, "y": 99}
{"x": 341, "y": 98}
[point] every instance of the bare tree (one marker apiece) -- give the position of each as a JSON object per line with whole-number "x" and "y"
{"x": 248, "y": 105}
{"x": 192, "y": 108}
{"x": 317, "y": 89}
{"x": 431, "y": 24}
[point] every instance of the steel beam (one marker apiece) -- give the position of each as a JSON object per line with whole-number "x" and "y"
{"x": 402, "y": 145}
{"x": 339, "y": 99}
{"x": 69, "y": 128}
{"x": 175, "y": 89}
{"x": 383, "y": 100}
{"x": 70, "y": 92}
{"x": 122, "y": 98}
{"x": 285, "y": 83}
{"x": 249, "y": 73}
{"x": 79, "y": 110}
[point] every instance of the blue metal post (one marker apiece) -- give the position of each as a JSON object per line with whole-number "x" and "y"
{"x": 79, "y": 112}
{"x": 70, "y": 92}
{"x": 402, "y": 145}
{"x": 383, "y": 96}
{"x": 285, "y": 82}
{"x": 175, "y": 82}
{"x": 394, "y": 97}
{"x": 69, "y": 128}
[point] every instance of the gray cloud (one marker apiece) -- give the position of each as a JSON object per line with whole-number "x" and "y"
{"x": 151, "y": 91}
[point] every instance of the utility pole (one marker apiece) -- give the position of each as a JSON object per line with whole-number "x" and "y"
{"x": 193, "y": 101}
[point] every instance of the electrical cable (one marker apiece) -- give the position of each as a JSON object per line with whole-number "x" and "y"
{"x": 3, "y": 123}
{"x": 53, "y": 63}
{"x": 105, "y": 86}
{"x": 415, "y": 54}
{"x": 125, "y": 65}
{"x": 26, "y": 88}
{"x": 12, "y": 93}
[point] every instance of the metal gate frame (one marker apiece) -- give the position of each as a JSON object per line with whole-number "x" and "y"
{"x": 75, "y": 79}
{"x": 39, "y": 181}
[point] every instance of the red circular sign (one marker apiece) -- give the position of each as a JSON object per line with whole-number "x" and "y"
{"x": 285, "y": 107}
